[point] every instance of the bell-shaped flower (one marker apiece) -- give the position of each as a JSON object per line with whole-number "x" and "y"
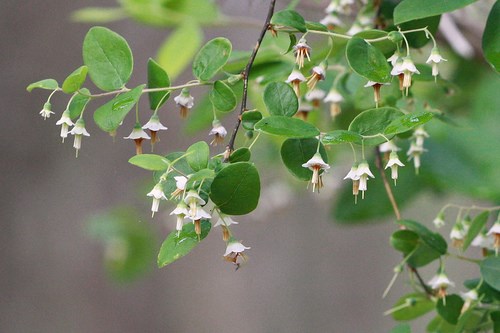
{"x": 200, "y": 214}
{"x": 304, "y": 109}
{"x": 157, "y": 194}
{"x": 388, "y": 146}
{"x": 218, "y": 131}
{"x": 408, "y": 69}
{"x": 435, "y": 58}
{"x": 318, "y": 73}
{"x": 394, "y": 58}
{"x": 439, "y": 220}
{"x": 194, "y": 201}
{"x": 65, "y": 122}
{"x": 353, "y": 175}
{"x": 180, "y": 184}
{"x": 334, "y": 98}
{"x": 138, "y": 135}
{"x": 376, "y": 90}
{"x": 185, "y": 101}
{"x": 483, "y": 241}
{"x": 234, "y": 250}
{"x": 457, "y": 235}
{"x": 440, "y": 283}
{"x": 181, "y": 211}
{"x": 295, "y": 79}
{"x": 301, "y": 51}
{"x": 394, "y": 163}
{"x": 225, "y": 221}
{"x": 469, "y": 297}
{"x": 154, "y": 125}
{"x": 78, "y": 131}
{"x": 414, "y": 153}
{"x": 495, "y": 232}
{"x": 420, "y": 135}
{"x": 333, "y": 7}
{"x": 46, "y": 111}
{"x": 316, "y": 165}
{"x": 331, "y": 21}
{"x": 315, "y": 96}
{"x": 363, "y": 173}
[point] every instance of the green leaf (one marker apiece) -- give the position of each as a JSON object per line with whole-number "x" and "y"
{"x": 419, "y": 39}
{"x": 75, "y": 80}
{"x": 401, "y": 328}
{"x": 108, "y": 58}
{"x": 98, "y": 14}
{"x": 423, "y": 255}
{"x": 198, "y": 177}
{"x": 222, "y": 97}
{"x": 433, "y": 239}
{"x": 439, "y": 325}
{"x": 341, "y": 136}
{"x": 409, "y": 10}
{"x": 198, "y": 155}
{"x": 384, "y": 45}
{"x": 157, "y": 78}
{"x": 407, "y": 122}
{"x": 110, "y": 115}
{"x": 449, "y": 308}
{"x": 149, "y": 162}
{"x": 490, "y": 271}
{"x": 404, "y": 241}
{"x": 287, "y": 127}
{"x": 236, "y": 189}
{"x": 368, "y": 61}
{"x": 418, "y": 305}
{"x": 295, "y": 152}
{"x": 491, "y": 39}
{"x": 374, "y": 121}
{"x": 177, "y": 51}
{"x": 289, "y": 18}
{"x": 78, "y": 103}
{"x": 210, "y": 59}
{"x": 316, "y": 26}
{"x": 249, "y": 119}
{"x": 240, "y": 155}
{"x": 495, "y": 318}
{"x": 48, "y": 84}
{"x": 475, "y": 228}
{"x": 280, "y": 99}
{"x": 486, "y": 293}
{"x": 177, "y": 246}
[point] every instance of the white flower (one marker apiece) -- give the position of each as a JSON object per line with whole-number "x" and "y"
{"x": 225, "y": 220}
{"x": 302, "y": 51}
{"x": 408, "y": 69}
{"x": 198, "y": 215}
{"x": 363, "y": 173}
{"x": 333, "y": 96}
{"x": 394, "y": 58}
{"x": 137, "y": 134}
{"x": 484, "y": 241}
{"x": 193, "y": 200}
{"x": 420, "y": 135}
{"x": 354, "y": 29}
{"x": 393, "y": 163}
{"x": 353, "y": 175}
{"x": 46, "y": 111}
{"x": 318, "y": 74}
{"x": 65, "y": 122}
{"x": 154, "y": 124}
{"x": 331, "y": 20}
{"x": 185, "y": 101}
{"x": 388, "y": 146}
{"x": 78, "y": 131}
{"x": 180, "y": 182}
{"x": 397, "y": 68}
{"x": 440, "y": 283}
{"x": 414, "y": 153}
{"x": 295, "y": 78}
{"x": 376, "y": 90}
{"x": 315, "y": 94}
{"x": 435, "y": 58}
{"x": 218, "y": 131}
{"x": 439, "y": 220}
{"x": 181, "y": 211}
{"x": 457, "y": 234}
{"x": 495, "y": 229}
{"x": 316, "y": 164}
{"x": 235, "y": 247}
{"x": 157, "y": 194}
{"x": 332, "y": 7}
{"x": 468, "y": 297}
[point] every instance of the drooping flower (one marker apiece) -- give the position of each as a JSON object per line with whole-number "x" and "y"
{"x": 315, "y": 96}
{"x": 218, "y": 131}
{"x": 318, "y": 73}
{"x": 397, "y": 70}
{"x": 304, "y": 109}
{"x": 180, "y": 184}
{"x": 301, "y": 51}
{"x": 295, "y": 79}
{"x": 457, "y": 235}
{"x": 234, "y": 250}
{"x": 363, "y": 173}
{"x": 316, "y": 165}
{"x": 194, "y": 201}
{"x": 468, "y": 297}
{"x": 65, "y": 122}
{"x": 439, "y": 220}
{"x": 354, "y": 176}
{"x": 334, "y": 98}
{"x": 393, "y": 163}
{"x": 157, "y": 194}
{"x": 331, "y": 21}
{"x": 414, "y": 153}
{"x": 332, "y": 7}
{"x": 495, "y": 232}
{"x": 225, "y": 221}
{"x": 408, "y": 69}
{"x": 46, "y": 111}
{"x": 78, "y": 131}
{"x": 440, "y": 283}
{"x": 435, "y": 58}
{"x": 388, "y": 146}
{"x": 394, "y": 58}
{"x": 181, "y": 211}
{"x": 483, "y": 240}
{"x": 376, "y": 90}
{"x": 420, "y": 135}
{"x": 154, "y": 125}
{"x": 185, "y": 101}
{"x": 138, "y": 135}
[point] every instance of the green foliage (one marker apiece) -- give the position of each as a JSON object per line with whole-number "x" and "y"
{"x": 211, "y": 58}
{"x": 249, "y": 119}
{"x": 78, "y": 103}
{"x": 295, "y": 152}
{"x": 289, "y": 18}
{"x": 280, "y": 99}
{"x": 197, "y": 155}
{"x": 286, "y": 127}
{"x": 157, "y": 78}
{"x": 491, "y": 41}
{"x": 490, "y": 271}
{"x": 48, "y": 84}
{"x": 367, "y": 60}
{"x": 222, "y": 97}
{"x": 477, "y": 224}
{"x": 240, "y": 155}
{"x": 449, "y": 308}
{"x": 373, "y": 122}
{"x": 341, "y": 136}
{"x": 409, "y": 10}
{"x": 412, "y": 306}
{"x": 408, "y": 122}
{"x": 150, "y": 162}
{"x": 75, "y": 80}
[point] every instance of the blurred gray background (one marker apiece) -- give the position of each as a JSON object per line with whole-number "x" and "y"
{"x": 305, "y": 274}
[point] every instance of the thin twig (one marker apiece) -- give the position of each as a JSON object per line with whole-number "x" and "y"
{"x": 246, "y": 72}
{"x": 387, "y": 186}
{"x": 427, "y": 289}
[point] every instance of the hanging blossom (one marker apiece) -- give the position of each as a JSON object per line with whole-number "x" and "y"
{"x": 435, "y": 58}
{"x": 495, "y": 232}
{"x": 65, "y": 122}
{"x": 334, "y": 98}
{"x": 457, "y": 235}
{"x": 394, "y": 163}
{"x": 185, "y": 101}
{"x": 302, "y": 51}
{"x": 440, "y": 283}
{"x": 363, "y": 173}
{"x": 180, "y": 185}
{"x": 407, "y": 69}
{"x": 395, "y": 57}
{"x": 318, "y": 73}
{"x": 138, "y": 135}
{"x": 197, "y": 217}
{"x": 468, "y": 297}
{"x": 331, "y": 21}
{"x": 315, "y": 96}
{"x": 154, "y": 125}
{"x": 295, "y": 79}
{"x": 388, "y": 146}
{"x": 354, "y": 176}
{"x": 483, "y": 240}
{"x": 225, "y": 221}
{"x": 194, "y": 201}
{"x": 157, "y": 194}
{"x": 46, "y": 111}
{"x": 439, "y": 220}
{"x": 180, "y": 211}
{"x": 234, "y": 250}
{"x": 414, "y": 153}
{"x": 316, "y": 165}
{"x": 420, "y": 135}
{"x": 218, "y": 131}
{"x": 376, "y": 90}
{"x": 78, "y": 131}
{"x": 303, "y": 109}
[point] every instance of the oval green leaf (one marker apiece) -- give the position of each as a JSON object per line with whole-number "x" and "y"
{"x": 409, "y": 10}
{"x": 177, "y": 246}
{"x": 367, "y": 60}
{"x": 491, "y": 39}
{"x": 249, "y": 119}
{"x": 157, "y": 78}
{"x": 490, "y": 271}
{"x": 404, "y": 241}
{"x": 108, "y": 58}
{"x": 449, "y": 308}
{"x": 280, "y": 99}
{"x": 236, "y": 189}
{"x": 475, "y": 228}
{"x": 210, "y": 59}
{"x": 48, "y": 84}
{"x": 287, "y": 127}
{"x": 78, "y": 103}
{"x": 198, "y": 177}
{"x": 110, "y": 115}
{"x": 197, "y": 155}
{"x": 407, "y": 122}
{"x": 420, "y": 305}
{"x": 433, "y": 239}
{"x": 240, "y": 155}
{"x": 341, "y": 136}
{"x": 295, "y": 152}
{"x": 222, "y": 97}
{"x": 289, "y": 18}
{"x": 150, "y": 162}
{"x": 75, "y": 80}
{"x": 374, "y": 121}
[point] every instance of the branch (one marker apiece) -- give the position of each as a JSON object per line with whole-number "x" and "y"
{"x": 246, "y": 72}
